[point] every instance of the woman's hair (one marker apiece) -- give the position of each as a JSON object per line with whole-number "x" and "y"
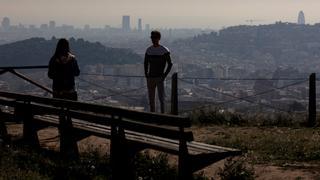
{"x": 62, "y": 48}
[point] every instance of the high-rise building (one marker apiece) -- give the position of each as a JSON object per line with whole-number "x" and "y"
{"x": 301, "y": 18}
{"x": 147, "y": 27}
{"x": 126, "y": 23}
{"x": 44, "y": 27}
{"x": 86, "y": 27}
{"x": 5, "y": 23}
{"x": 139, "y": 25}
{"x": 52, "y": 24}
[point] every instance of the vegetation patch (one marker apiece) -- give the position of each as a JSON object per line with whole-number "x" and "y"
{"x": 26, "y": 163}
{"x": 217, "y": 116}
{"x": 237, "y": 168}
{"x": 265, "y": 145}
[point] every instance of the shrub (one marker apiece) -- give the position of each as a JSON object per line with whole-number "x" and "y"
{"x": 216, "y": 116}
{"x": 236, "y": 169}
{"x": 26, "y": 163}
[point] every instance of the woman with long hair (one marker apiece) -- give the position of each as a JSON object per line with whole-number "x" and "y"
{"x": 63, "y": 67}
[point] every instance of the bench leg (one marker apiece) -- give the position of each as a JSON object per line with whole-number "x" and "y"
{"x": 30, "y": 135}
{"x": 3, "y": 133}
{"x": 68, "y": 143}
{"x": 184, "y": 166}
{"x": 121, "y": 161}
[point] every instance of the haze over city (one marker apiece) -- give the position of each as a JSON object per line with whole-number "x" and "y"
{"x": 216, "y": 89}
{"x": 213, "y": 14}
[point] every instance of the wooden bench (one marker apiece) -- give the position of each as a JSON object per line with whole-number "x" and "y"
{"x": 129, "y": 131}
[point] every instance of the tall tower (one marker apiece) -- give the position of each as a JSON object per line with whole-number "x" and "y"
{"x": 5, "y": 23}
{"x": 52, "y": 24}
{"x": 147, "y": 29}
{"x": 126, "y": 23}
{"x": 301, "y": 18}
{"x": 139, "y": 25}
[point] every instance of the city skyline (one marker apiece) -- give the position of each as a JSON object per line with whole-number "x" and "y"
{"x": 178, "y": 14}
{"x": 127, "y": 24}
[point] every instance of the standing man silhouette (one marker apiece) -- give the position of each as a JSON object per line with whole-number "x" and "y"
{"x": 156, "y": 59}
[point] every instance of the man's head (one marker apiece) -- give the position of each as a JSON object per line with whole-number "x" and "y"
{"x": 155, "y": 37}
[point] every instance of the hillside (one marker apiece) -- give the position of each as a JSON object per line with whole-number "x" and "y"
{"x": 38, "y": 51}
{"x": 275, "y": 44}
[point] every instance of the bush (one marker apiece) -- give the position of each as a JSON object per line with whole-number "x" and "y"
{"x": 157, "y": 168}
{"x": 26, "y": 163}
{"x": 218, "y": 116}
{"x": 236, "y": 169}
{"x": 153, "y": 167}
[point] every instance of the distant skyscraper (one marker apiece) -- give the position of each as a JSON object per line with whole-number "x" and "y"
{"x": 86, "y": 27}
{"x": 139, "y": 25}
{"x": 147, "y": 27}
{"x": 52, "y": 24}
{"x": 301, "y": 18}
{"x": 5, "y": 23}
{"x": 44, "y": 27}
{"x": 126, "y": 23}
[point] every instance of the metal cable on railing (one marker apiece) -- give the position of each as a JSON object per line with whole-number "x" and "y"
{"x": 243, "y": 79}
{"x": 185, "y": 79}
{"x": 245, "y": 98}
{"x": 112, "y": 91}
{"x": 112, "y": 75}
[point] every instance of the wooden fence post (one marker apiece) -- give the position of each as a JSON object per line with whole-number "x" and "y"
{"x": 121, "y": 163}
{"x": 174, "y": 94}
{"x": 30, "y": 135}
{"x": 68, "y": 142}
{"x": 184, "y": 166}
{"x": 312, "y": 101}
{"x": 3, "y": 131}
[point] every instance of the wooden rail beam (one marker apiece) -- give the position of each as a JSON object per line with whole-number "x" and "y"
{"x": 30, "y": 81}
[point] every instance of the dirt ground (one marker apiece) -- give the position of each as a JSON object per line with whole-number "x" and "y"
{"x": 49, "y": 139}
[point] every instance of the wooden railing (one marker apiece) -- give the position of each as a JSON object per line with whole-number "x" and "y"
{"x": 129, "y": 131}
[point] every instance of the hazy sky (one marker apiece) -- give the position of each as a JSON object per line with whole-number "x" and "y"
{"x": 164, "y": 13}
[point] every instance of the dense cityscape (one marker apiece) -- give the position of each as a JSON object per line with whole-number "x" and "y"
{"x": 160, "y": 90}
{"x": 209, "y": 63}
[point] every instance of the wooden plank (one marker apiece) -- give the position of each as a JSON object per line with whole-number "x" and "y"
{"x": 156, "y": 130}
{"x": 7, "y": 117}
{"x": 6, "y": 102}
{"x": 210, "y": 147}
{"x": 145, "y": 140}
{"x": 24, "y": 67}
{"x": 12, "y": 95}
{"x": 144, "y": 117}
{"x": 43, "y": 110}
{"x": 128, "y": 125}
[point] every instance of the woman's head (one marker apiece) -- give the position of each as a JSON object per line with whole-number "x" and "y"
{"x": 62, "y": 48}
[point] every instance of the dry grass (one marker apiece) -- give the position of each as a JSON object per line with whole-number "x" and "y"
{"x": 267, "y": 144}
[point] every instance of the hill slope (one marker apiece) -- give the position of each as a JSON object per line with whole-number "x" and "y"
{"x": 38, "y": 51}
{"x": 280, "y": 43}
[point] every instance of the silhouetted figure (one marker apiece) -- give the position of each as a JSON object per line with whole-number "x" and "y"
{"x": 157, "y": 57}
{"x": 63, "y": 67}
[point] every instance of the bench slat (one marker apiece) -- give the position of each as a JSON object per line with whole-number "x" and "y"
{"x": 103, "y": 109}
{"x": 150, "y": 141}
